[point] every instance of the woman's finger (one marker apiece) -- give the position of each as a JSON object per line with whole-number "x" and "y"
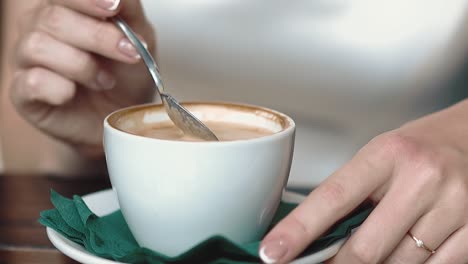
{"x": 130, "y": 10}
{"x": 432, "y": 229}
{"x": 453, "y": 250}
{"x": 97, "y": 8}
{"x": 332, "y": 200}
{"x": 40, "y": 86}
{"x": 383, "y": 229}
{"x": 38, "y": 49}
{"x": 415, "y": 185}
{"x": 87, "y": 33}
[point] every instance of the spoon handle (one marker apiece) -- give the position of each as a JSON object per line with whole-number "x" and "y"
{"x": 142, "y": 50}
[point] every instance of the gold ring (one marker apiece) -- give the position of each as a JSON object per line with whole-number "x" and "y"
{"x": 420, "y": 244}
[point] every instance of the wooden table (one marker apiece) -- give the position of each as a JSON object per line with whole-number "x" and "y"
{"x": 22, "y": 198}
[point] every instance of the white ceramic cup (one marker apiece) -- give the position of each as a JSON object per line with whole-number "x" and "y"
{"x": 175, "y": 194}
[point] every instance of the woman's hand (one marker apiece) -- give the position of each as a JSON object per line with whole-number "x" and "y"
{"x": 417, "y": 176}
{"x": 74, "y": 67}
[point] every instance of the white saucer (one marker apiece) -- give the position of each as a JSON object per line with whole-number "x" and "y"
{"x": 105, "y": 202}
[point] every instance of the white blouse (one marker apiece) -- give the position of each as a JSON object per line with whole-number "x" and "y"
{"x": 344, "y": 70}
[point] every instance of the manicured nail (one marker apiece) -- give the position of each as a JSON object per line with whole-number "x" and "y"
{"x": 126, "y": 47}
{"x": 273, "y": 251}
{"x": 105, "y": 80}
{"x": 109, "y": 5}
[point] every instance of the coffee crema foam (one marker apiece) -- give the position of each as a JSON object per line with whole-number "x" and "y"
{"x": 228, "y": 122}
{"x": 224, "y": 131}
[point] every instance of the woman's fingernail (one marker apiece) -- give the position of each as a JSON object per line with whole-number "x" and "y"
{"x": 105, "y": 80}
{"x": 126, "y": 47}
{"x": 109, "y": 5}
{"x": 273, "y": 251}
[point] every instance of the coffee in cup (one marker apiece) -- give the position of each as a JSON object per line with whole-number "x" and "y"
{"x": 223, "y": 130}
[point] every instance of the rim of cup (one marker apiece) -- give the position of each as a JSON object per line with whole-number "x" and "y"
{"x": 287, "y": 123}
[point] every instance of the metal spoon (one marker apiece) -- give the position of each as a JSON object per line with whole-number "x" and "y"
{"x": 181, "y": 117}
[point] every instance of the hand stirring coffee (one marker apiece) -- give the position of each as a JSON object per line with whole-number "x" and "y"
{"x": 181, "y": 117}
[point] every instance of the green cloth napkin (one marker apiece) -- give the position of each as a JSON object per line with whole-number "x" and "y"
{"x": 109, "y": 236}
